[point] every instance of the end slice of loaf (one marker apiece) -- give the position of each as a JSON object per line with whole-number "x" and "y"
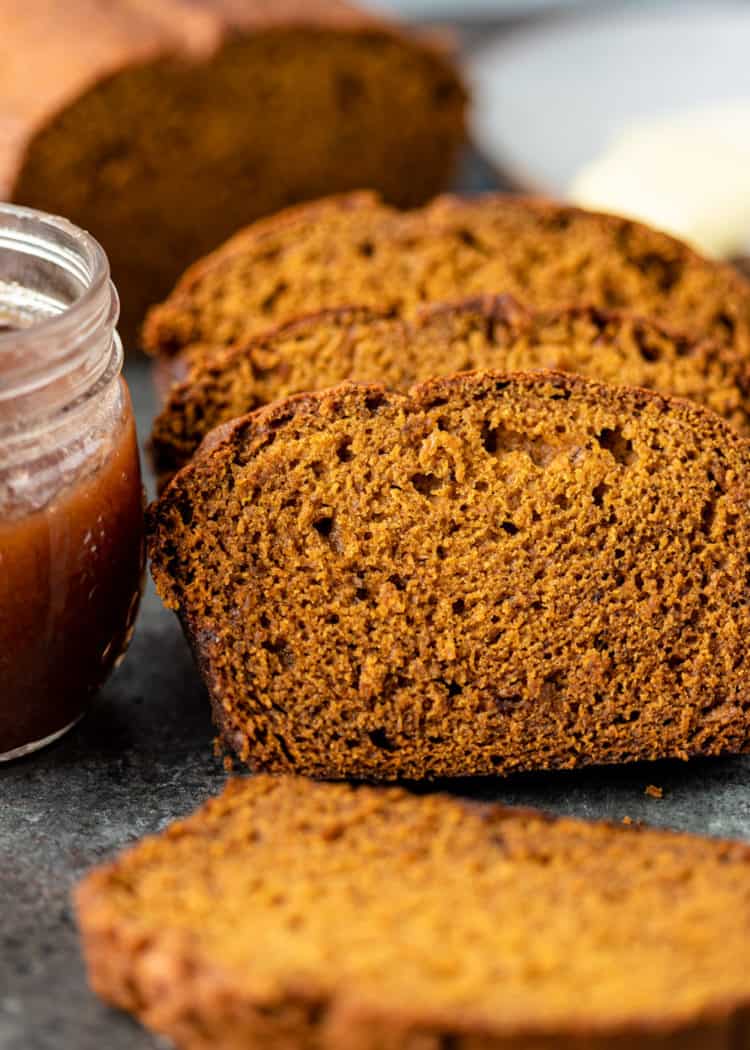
{"x": 287, "y": 913}
{"x": 492, "y": 573}
{"x": 353, "y": 249}
{"x": 369, "y": 346}
{"x": 162, "y": 127}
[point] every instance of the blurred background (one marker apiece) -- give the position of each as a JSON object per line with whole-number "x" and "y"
{"x": 640, "y": 107}
{"x": 454, "y": 9}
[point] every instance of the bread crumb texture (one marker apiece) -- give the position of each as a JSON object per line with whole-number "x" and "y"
{"x": 287, "y": 913}
{"x": 492, "y": 573}
{"x": 353, "y": 250}
{"x": 492, "y": 332}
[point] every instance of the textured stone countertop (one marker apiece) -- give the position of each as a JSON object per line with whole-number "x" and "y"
{"x": 144, "y": 756}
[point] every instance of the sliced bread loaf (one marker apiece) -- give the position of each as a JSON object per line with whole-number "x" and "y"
{"x": 163, "y": 125}
{"x": 354, "y": 250}
{"x": 289, "y": 914}
{"x": 493, "y": 573}
{"x": 496, "y": 333}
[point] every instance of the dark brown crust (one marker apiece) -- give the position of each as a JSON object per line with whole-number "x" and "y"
{"x": 162, "y": 978}
{"x": 250, "y": 433}
{"x": 180, "y": 380}
{"x": 441, "y": 210}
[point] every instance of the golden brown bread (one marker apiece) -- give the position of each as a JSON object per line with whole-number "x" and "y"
{"x": 162, "y": 126}
{"x": 494, "y": 573}
{"x": 354, "y": 250}
{"x": 288, "y": 914}
{"x": 366, "y": 345}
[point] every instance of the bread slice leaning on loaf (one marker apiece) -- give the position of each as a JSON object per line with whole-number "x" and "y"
{"x": 355, "y": 250}
{"x": 495, "y": 332}
{"x": 492, "y": 573}
{"x": 287, "y": 913}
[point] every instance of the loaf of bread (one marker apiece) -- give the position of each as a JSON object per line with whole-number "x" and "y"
{"x": 287, "y": 913}
{"x": 370, "y": 346}
{"x": 354, "y": 250}
{"x": 163, "y": 126}
{"x": 493, "y": 573}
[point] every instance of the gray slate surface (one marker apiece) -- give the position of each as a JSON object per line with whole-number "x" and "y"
{"x": 143, "y": 756}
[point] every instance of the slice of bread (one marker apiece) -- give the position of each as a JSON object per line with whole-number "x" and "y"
{"x": 290, "y": 914}
{"x": 354, "y": 250}
{"x": 164, "y": 125}
{"x": 493, "y": 573}
{"x": 495, "y": 333}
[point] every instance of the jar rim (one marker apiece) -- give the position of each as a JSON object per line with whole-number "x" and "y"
{"x": 76, "y": 330}
{"x": 80, "y": 240}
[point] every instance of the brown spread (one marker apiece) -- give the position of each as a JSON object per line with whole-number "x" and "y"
{"x": 69, "y": 583}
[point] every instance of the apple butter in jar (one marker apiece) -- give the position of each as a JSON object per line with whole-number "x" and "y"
{"x": 71, "y": 501}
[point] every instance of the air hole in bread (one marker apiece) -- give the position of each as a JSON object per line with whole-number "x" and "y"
{"x": 426, "y": 484}
{"x": 344, "y": 451}
{"x": 270, "y": 302}
{"x": 324, "y": 526}
{"x": 599, "y": 492}
{"x": 379, "y": 738}
{"x": 649, "y": 351}
{"x": 612, "y": 440}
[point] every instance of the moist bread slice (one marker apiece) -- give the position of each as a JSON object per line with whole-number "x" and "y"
{"x": 496, "y": 333}
{"x": 354, "y": 250}
{"x": 164, "y": 125}
{"x": 287, "y": 913}
{"x": 493, "y": 573}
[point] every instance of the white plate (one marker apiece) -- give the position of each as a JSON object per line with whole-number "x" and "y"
{"x": 548, "y": 98}
{"x": 462, "y": 9}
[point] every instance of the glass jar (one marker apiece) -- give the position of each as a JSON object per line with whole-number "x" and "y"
{"x": 71, "y": 500}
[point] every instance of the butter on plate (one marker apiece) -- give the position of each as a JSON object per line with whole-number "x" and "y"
{"x": 687, "y": 174}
